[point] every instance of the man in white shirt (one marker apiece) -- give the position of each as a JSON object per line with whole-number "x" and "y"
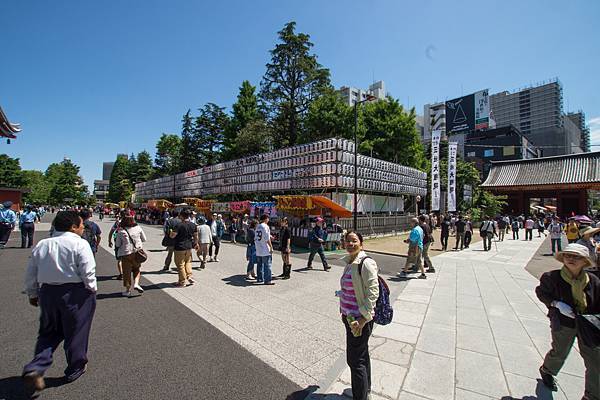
{"x": 264, "y": 251}
{"x": 529, "y": 228}
{"x": 61, "y": 280}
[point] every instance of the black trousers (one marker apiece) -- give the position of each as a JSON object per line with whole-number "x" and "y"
{"x": 321, "y": 251}
{"x": 357, "y": 357}
{"x": 27, "y": 230}
{"x": 217, "y": 244}
{"x": 5, "y": 230}
{"x": 528, "y": 234}
{"x": 444, "y": 239}
{"x": 487, "y": 242}
{"x": 468, "y": 238}
{"x": 66, "y": 313}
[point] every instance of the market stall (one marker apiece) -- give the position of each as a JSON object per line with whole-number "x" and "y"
{"x": 304, "y": 209}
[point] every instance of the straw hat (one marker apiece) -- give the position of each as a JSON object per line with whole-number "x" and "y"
{"x": 588, "y": 231}
{"x": 576, "y": 249}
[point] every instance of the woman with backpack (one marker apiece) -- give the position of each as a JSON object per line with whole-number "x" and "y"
{"x": 129, "y": 240}
{"x": 358, "y": 297}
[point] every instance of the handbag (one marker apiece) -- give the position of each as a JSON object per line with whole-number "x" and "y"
{"x": 140, "y": 254}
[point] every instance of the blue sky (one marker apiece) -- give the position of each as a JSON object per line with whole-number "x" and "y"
{"x": 88, "y": 80}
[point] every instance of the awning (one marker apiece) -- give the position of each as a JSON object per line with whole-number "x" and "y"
{"x": 336, "y": 209}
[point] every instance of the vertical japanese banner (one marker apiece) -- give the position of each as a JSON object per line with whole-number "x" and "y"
{"x": 452, "y": 148}
{"x": 435, "y": 170}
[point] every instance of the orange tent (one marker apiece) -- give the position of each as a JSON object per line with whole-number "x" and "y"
{"x": 312, "y": 205}
{"x": 335, "y": 208}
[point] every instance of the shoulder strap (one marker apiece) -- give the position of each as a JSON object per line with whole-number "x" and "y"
{"x": 361, "y": 264}
{"x": 130, "y": 239}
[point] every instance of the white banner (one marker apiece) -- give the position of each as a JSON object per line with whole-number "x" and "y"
{"x": 452, "y": 149}
{"x": 435, "y": 170}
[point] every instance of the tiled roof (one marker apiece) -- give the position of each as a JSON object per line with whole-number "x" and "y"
{"x": 6, "y": 128}
{"x": 581, "y": 168}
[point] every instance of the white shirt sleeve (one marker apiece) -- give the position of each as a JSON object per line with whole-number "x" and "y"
{"x": 31, "y": 282}
{"x": 86, "y": 267}
{"x": 142, "y": 235}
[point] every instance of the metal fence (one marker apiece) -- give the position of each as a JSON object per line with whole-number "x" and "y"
{"x": 368, "y": 225}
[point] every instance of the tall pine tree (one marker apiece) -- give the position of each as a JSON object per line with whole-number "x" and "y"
{"x": 121, "y": 186}
{"x": 293, "y": 80}
{"x": 10, "y": 172}
{"x": 209, "y": 132}
{"x": 143, "y": 167}
{"x": 168, "y": 153}
{"x": 245, "y": 111}
{"x": 190, "y": 145}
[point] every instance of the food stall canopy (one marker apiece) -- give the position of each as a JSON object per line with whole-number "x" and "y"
{"x": 160, "y": 204}
{"x": 111, "y": 205}
{"x": 336, "y": 209}
{"x": 311, "y": 205}
{"x": 239, "y": 206}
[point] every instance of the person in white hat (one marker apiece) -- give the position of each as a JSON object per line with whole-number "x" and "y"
{"x": 569, "y": 292}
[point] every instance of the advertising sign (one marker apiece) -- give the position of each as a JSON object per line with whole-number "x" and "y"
{"x": 468, "y": 113}
{"x": 452, "y": 148}
{"x": 435, "y": 170}
{"x": 482, "y": 110}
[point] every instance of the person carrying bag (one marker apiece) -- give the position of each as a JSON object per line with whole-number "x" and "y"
{"x": 129, "y": 242}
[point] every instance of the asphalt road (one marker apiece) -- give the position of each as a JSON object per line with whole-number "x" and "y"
{"x": 146, "y": 347}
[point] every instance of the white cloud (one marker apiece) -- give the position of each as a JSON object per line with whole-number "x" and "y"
{"x": 594, "y": 124}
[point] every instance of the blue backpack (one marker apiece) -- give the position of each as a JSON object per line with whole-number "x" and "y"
{"x": 383, "y": 309}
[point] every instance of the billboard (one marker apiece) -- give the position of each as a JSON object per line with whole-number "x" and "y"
{"x": 468, "y": 113}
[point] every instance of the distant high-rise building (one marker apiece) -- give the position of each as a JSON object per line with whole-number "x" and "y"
{"x": 538, "y": 113}
{"x": 578, "y": 119}
{"x": 351, "y": 95}
{"x": 434, "y": 119}
{"x": 107, "y": 168}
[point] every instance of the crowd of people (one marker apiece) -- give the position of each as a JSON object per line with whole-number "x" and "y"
{"x": 61, "y": 273}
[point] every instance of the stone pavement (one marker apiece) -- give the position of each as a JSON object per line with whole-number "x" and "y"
{"x": 473, "y": 331}
{"x": 294, "y": 326}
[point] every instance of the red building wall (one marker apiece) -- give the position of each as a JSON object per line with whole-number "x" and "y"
{"x": 13, "y": 195}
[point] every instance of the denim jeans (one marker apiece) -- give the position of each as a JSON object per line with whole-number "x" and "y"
{"x": 263, "y": 268}
{"x": 556, "y": 243}
{"x": 251, "y": 256}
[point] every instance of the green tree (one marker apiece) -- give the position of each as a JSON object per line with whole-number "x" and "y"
{"x": 209, "y": 132}
{"x": 190, "y": 145}
{"x": 142, "y": 169}
{"x": 245, "y": 110}
{"x": 256, "y": 137}
{"x": 293, "y": 80}
{"x": 121, "y": 186}
{"x": 391, "y": 133}
{"x": 328, "y": 116}
{"x": 10, "y": 172}
{"x": 66, "y": 186}
{"x": 38, "y": 185}
{"x": 168, "y": 150}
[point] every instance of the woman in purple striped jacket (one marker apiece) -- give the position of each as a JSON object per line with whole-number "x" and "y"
{"x": 358, "y": 295}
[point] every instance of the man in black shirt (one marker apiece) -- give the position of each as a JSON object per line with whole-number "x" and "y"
{"x": 445, "y": 226}
{"x": 186, "y": 239}
{"x": 285, "y": 237}
{"x": 316, "y": 238}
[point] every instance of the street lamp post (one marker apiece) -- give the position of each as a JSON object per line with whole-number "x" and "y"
{"x": 355, "y": 205}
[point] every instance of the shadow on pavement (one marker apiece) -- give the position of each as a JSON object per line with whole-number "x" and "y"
{"x": 541, "y": 393}
{"x": 302, "y": 394}
{"x": 12, "y": 388}
{"x": 238, "y": 280}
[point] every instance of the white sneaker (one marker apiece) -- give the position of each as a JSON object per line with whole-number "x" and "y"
{"x": 138, "y": 288}
{"x": 191, "y": 281}
{"x": 216, "y": 259}
{"x": 126, "y": 293}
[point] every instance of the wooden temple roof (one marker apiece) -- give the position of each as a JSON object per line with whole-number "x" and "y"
{"x": 574, "y": 171}
{"x": 8, "y": 129}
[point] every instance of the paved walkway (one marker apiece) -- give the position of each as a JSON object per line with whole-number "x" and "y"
{"x": 293, "y": 326}
{"x": 473, "y": 331}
